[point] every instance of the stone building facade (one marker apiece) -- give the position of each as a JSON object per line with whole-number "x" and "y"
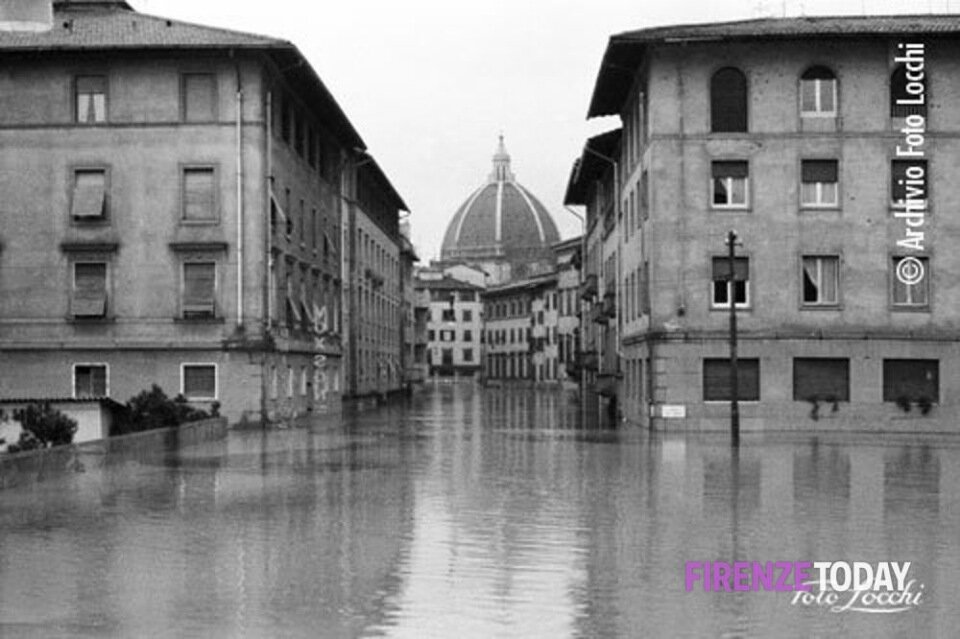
{"x": 745, "y": 126}
{"x": 172, "y": 198}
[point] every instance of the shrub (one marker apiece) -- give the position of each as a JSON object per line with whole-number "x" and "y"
{"x": 43, "y": 426}
{"x": 154, "y": 409}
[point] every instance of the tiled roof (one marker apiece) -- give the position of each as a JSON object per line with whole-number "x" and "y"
{"x": 530, "y": 283}
{"x": 625, "y": 50}
{"x": 446, "y": 284}
{"x": 590, "y": 166}
{"x": 60, "y": 400}
{"x": 84, "y": 27}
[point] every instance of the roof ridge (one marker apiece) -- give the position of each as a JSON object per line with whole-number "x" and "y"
{"x": 197, "y": 25}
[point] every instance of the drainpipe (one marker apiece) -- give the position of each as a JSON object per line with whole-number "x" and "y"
{"x": 239, "y": 200}
{"x": 268, "y": 183}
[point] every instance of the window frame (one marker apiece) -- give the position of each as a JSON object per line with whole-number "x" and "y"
{"x": 891, "y": 361}
{"x": 214, "y": 97}
{"x": 818, "y": 83}
{"x": 820, "y": 257}
{"x": 106, "y": 217}
{"x": 714, "y": 107}
{"x": 898, "y": 206}
{"x": 728, "y": 185}
{"x": 76, "y": 98}
{"x": 181, "y": 306}
{"x": 216, "y": 381}
{"x": 106, "y": 378}
{"x": 748, "y": 301}
{"x": 819, "y": 202}
{"x": 842, "y": 397}
{"x": 748, "y": 361}
{"x": 185, "y": 168}
{"x": 107, "y": 290}
{"x": 894, "y": 260}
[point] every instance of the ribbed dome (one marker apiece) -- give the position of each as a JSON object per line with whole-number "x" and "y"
{"x": 500, "y": 220}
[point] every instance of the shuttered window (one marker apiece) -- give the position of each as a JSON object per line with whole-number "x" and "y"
{"x": 822, "y": 379}
{"x": 199, "y": 194}
{"x": 898, "y": 91}
{"x": 89, "y": 289}
{"x": 90, "y": 380}
{"x": 728, "y": 101}
{"x": 199, "y": 290}
{"x": 199, "y": 381}
{"x": 199, "y": 97}
{"x": 818, "y": 183}
{"x": 911, "y": 379}
{"x": 89, "y": 200}
{"x": 729, "y": 184}
{"x": 716, "y": 380}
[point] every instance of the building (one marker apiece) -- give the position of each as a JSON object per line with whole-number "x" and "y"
{"x": 374, "y": 290}
{"x": 568, "y": 311}
{"x": 844, "y": 282}
{"x": 173, "y": 198}
{"x": 501, "y": 228}
{"x": 413, "y": 332}
{"x": 454, "y": 322}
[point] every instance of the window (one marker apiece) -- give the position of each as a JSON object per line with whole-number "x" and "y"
{"x": 467, "y": 316}
{"x": 89, "y": 198}
{"x": 90, "y": 380}
{"x": 448, "y": 315}
{"x": 821, "y": 379}
{"x": 912, "y": 380}
{"x": 91, "y": 98}
{"x": 911, "y": 281}
{"x": 904, "y": 93}
{"x": 431, "y": 335}
{"x": 199, "y": 290}
{"x": 303, "y": 381}
{"x": 198, "y": 381}
{"x": 199, "y": 91}
{"x": 818, "y": 183}
{"x": 721, "y": 284}
{"x": 716, "y": 380}
{"x": 728, "y": 101}
{"x": 818, "y": 92}
{"x": 908, "y": 182}
{"x": 448, "y": 336}
{"x": 729, "y": 184}
{"x": 199, "y": 194}
{"x": 468, "y": 354}
{"x": 820, "y": 280}
{"x": 468, "y": 336}
{"x": 89, "y": 290}
{"x": 446, "y": 357}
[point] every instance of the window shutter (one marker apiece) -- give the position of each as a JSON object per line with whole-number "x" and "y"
{"x": 200, "y": 381}
{"x": 89, "y": 194}
{"x": 90, "y": 289}
{"x": 821, "y": 379}
{"x": 911, "y": 379}
{"x": 199, "y": 97}
{"x": 813, "y": 171}
{"x": 199, "y": 289}
{"x": 728, "y": 101}
{"x": 716, "y": 380}
{"x": 730, "y": 169}
{"x": 721, "y": 269}
{"x": 198, "y": 194}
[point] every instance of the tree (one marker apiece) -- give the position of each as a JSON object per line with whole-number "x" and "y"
{"x": 43, "y": 426}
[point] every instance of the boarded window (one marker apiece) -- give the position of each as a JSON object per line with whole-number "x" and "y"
{"x": 199, "y": 290}
{"x": 911, "y": 379}
{"x": 200, "y": 381}
{"x": 89, "y": 194}
{"x": 89, "y": 289}
{"x": 199, "y": 194}
{"x": 716, "y": 380}
{"x": 728, "y": 101}
{"x": 91, "y": 98}
{"x": 90, "y": 380}
{"x": 199, "y": 97}
{"x": 901, "y": 99}
{"x": 822, "y": 379}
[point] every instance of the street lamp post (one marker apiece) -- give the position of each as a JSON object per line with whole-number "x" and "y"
{"x": 734, "y": 373}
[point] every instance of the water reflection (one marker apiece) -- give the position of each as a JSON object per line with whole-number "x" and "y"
{"x": 473, "y": 513}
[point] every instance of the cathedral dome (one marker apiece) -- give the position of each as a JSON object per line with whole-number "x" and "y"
{"x": 500, "y": 222}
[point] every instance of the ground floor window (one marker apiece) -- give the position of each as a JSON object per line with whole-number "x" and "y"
{"x": 911, "y": 380}
{"x": 198, "y": 381}
{"x": 90, "y": 380}
{"x": 716, "y": 380}
{"x": 821, "y": 378}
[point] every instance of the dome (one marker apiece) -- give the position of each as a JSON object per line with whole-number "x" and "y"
{"x": 500, "y": 222}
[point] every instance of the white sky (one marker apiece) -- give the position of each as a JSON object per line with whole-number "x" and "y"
{"x": 429, "y": 84}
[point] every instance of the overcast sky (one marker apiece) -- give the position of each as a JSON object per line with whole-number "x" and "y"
{"x": 429, "y": 84}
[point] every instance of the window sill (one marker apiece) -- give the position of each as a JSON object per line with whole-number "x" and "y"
{"x": 903, "y": 308}
{"x": 818, "y": 208}
{"x": 727, "y": 308}
{"x": 86, "y": 222}
{"x": 210, "y": 222}
{"x": 199, "y": 320}
{"x": 730, "y": 209}
{"x": 819, "y": 115}
{"x": 91, "y": 320}
{"x": 821, "y": 307}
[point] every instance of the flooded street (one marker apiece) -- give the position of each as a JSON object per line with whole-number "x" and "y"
{"x": 470, "y": 513}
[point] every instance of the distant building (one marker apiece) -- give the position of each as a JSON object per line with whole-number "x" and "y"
{"x": 454, "y": 325}
{"x": 413, "y": 332}
{"x": 568, "y": 311}
{"x": 785, "y": 130}
{"x": 179, "y": 205}
{"x": 501, "y": 229}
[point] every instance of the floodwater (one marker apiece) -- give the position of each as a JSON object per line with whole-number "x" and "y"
{"x": 476, "y": 513}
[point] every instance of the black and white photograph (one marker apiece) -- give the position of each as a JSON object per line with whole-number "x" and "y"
{"x": 479, "y": 319}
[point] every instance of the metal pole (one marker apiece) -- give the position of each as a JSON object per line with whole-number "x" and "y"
{"x": 734, "y": 376}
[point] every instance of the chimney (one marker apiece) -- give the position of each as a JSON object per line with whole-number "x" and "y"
{"x": 26, "y": 15}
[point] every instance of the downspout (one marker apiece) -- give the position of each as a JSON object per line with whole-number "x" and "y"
{"x": 268, "y": 182}
{"x": 239, "y": 200}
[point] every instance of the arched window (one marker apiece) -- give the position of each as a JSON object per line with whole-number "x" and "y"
{"x": 818, "y": 92}
{"x": 904, "y": 94}
{"x": 728, "y": 101}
